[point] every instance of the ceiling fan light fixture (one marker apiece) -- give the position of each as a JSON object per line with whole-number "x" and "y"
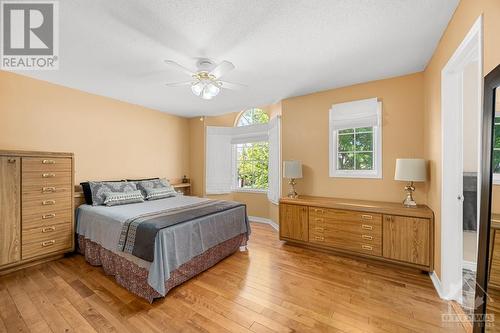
{"x": 210, "y": 91}
{"x": 197, "y": 88}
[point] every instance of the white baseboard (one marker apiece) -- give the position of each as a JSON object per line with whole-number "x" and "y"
{"x": 437, "y": 284}
{"x": 263, "y": 220}
{"x": 469, "y": 265}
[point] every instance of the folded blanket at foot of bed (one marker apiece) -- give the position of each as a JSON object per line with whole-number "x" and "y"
{"x": 139, "y": 233}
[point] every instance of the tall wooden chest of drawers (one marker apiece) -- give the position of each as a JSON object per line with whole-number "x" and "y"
{"x": 378, "y": 230}
{"x": 36, "y": 207}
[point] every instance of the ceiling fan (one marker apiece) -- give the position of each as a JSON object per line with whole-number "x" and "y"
{"x": 205, "y": 82}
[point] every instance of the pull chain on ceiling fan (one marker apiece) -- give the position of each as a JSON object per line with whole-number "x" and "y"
{"x": 205, "y": 81}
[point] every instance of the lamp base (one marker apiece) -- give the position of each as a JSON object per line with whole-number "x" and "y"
{"x": 292, "y": 194}
{"x": 409, "y": 202}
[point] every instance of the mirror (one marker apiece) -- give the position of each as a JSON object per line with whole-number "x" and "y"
{"x": 487, "y": 296}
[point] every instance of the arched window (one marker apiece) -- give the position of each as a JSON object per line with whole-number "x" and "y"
{"x": 252, "y": 117}
{"x": 252, "y": 158}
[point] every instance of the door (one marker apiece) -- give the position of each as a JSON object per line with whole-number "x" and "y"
{"x": 407, "y": 239}
{"x": 294, "y": 222}
{"x": 10, "y": 204}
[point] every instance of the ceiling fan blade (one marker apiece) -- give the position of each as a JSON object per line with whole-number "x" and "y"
{"x": 180, "y": 67}
{"x": 232, "y": 86}
{"x": 222, "y": 68}
{"x": 179, "y": 84}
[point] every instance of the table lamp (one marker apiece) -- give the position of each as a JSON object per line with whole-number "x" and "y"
{"x": 292, "y": 170}
{"x": 410, "y": 170}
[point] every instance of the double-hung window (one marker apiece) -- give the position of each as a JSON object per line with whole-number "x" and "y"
{"x": 356, "y": 139}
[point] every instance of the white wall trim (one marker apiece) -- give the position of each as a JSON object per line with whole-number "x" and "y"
{"x": 257, "y": 219}
{"x": 437, "y": 284}
{"x": 451, "y": 150}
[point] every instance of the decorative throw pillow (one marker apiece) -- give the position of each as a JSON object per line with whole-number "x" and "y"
{"x": 160, "y": 193}
{"x": 87, "y": 193}
{"x": 99, "y": 190}
{"x": 154, "y": 183}
{"x": 122, "y": 198}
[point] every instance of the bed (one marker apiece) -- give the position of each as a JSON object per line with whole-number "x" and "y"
{"x": 153, "y": 246}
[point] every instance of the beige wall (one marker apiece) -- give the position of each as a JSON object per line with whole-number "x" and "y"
{"x": 463, "y": 19}
{"x": 305, "y": 137}
{"x": 110, "y": 139}
{"x": 257, "y": 203}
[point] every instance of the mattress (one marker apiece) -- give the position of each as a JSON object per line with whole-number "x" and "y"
{"x": 174, "y": 246}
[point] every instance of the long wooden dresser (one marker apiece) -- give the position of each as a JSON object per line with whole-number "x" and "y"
{"x": 36, "y": 207}
{"x": 377, "y": 230}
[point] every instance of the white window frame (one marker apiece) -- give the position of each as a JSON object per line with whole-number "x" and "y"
{"x": 496, "y": 176}
{"x": 376, "y": 173}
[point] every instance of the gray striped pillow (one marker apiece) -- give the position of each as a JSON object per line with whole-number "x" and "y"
{"x": 160, "y": 193}
{"x": 123, "y": 198}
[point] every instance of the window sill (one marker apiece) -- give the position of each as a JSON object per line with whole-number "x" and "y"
{"x": 249, "y": 190}
{"x": 359, "y": 175}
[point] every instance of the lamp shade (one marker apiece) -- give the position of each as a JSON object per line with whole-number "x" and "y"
{"x": 292, "y": 169}
{"x": 411, "y": 169}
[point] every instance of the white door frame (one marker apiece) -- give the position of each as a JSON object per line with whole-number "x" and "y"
{"x": 469, "y": 50}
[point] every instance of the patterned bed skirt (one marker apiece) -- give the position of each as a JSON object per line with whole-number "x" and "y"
{"x": 135, "y": 278}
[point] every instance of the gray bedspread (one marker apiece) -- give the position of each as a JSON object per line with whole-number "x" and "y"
{"x": 174, "y": 245}
{"x": 139, "y": 233}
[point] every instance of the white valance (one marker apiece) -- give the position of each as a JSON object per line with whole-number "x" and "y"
{"x": 361, "y": 113}
{"x": 248, "y": 134}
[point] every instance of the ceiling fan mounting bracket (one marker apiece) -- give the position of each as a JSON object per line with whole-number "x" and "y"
{"x": 205, "y": 64}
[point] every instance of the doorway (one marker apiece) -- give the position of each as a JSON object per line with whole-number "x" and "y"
{"x": 461, "y": 116}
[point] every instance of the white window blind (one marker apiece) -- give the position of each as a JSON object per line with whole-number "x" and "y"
{"x": 219, "y": 160}
{"x": 361, "y": 113}
{"x": 273, "y": 193}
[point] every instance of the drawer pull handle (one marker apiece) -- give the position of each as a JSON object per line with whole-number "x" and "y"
{"x": 319, "y": 238}
{"x": 48, "y": 175}
{"x": 366, "y": 227}
{"x": 48, "y": 162}
{"x": 48, "y": 216}
{"x": 11, "y": 160}
{"x": 318, "y": 219}
{"x": 48, "y": 243}
{"x": 319, "y": 228}
{"x": 49, "y": 229}
{"x": 367, "y": 237}
{"x": 367, "y": 217}
{"x": 320, "y": 211}
{"x": 48, "y": 189}
{"x": 367, "y": 247}
{"x": 48, "y": 202}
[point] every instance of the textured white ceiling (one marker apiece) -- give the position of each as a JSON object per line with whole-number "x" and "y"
{"x": 280, "y": 48}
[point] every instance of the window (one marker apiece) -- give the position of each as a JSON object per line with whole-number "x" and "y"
{"x": 252, "y": 165}
{"x": 252, "y": 158}
{"x": 356, "y": 139}
{"x": 496, "y": 151}
{"x": 252, "y": 117}
{"x": 355, "y": 149}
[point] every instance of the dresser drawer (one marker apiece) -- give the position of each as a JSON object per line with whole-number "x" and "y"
{"x": 348, "y": 241}
{"x": 45, "y": 240}
{"x": 30, "y": 191}
{"x": 344, "y": 215}
{"x": 43, "y": 205}
{"x": 46, "y": 164}
{"x": 46, "y": 179}
{"x": 39, "y": 219}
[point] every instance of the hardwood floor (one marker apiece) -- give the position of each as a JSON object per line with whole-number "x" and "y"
{"x": 273, "y": 287}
